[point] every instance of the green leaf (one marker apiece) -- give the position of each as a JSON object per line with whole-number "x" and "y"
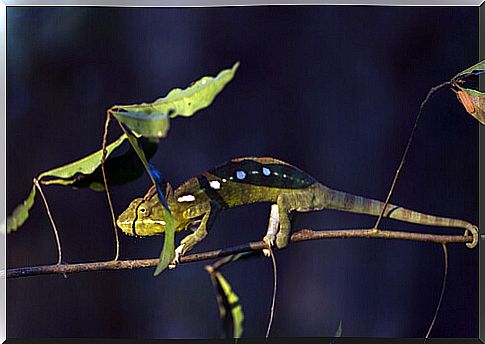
{"x": 154, "y": 125}
{"x": 119, "y": 169}
{"x": 168, "y": 251}
{"x": 85, "y": 172}
{"x": 230, "y": 310}
{"x": 66, "y": 175}
{"x": 480, "y": 66}
{"x": 20, "y": 213}
{"x": 152, "y": 119}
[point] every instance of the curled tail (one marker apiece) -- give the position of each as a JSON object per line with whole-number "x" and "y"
{"x": 343, "y": 201}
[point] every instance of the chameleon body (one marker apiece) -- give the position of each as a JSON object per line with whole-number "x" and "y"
{"x": 196, "y": 203}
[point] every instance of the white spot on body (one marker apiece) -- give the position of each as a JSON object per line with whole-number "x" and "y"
{"x": 254, "y": 172}
{"x": 240, "y": 175}
{"x": 224, "y": 180}
{"x": 215, "y": 184}
{"x": 266, "y": 171}
{"x": 284, "y": 175}
{"x": 186, "y": 198}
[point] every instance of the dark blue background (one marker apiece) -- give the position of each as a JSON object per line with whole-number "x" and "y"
{"x": 333, "y": 90}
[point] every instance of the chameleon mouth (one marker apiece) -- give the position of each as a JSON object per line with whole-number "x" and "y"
{"x": 125, "y": 226}
{"x": 132, "y": 228}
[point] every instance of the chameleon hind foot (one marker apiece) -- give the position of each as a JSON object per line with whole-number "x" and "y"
{"x": 273, "y": 225}
{"x": 473, "y": 230}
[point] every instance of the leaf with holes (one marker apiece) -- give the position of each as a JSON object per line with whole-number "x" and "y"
{"x": 152, "y": 119}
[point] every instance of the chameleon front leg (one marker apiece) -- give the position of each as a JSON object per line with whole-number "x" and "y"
{"x": 191, "y": 240}
{"x": 301, "y": 201}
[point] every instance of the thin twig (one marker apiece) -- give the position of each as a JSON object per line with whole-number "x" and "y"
{"x": 105, "y": 181}
{"x": 443, "y": 286}
{"x": 51, "y": 219}
{"x": 302, "y": 235}
{"x": 408, "y": 145}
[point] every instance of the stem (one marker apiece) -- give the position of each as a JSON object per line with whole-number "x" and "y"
{"x": 406, "y": 150}
{"x": 51, "y": 219}
{"x": 300, "y": 236}
{"x": 105, "y": 181}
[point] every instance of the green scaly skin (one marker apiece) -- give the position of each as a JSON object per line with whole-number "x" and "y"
{"x": 243, "y": 181}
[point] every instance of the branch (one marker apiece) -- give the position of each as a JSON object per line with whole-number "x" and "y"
{"x": 302, "y": 235}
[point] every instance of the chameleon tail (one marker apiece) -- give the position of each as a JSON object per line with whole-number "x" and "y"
{"x": 339, "y": 200}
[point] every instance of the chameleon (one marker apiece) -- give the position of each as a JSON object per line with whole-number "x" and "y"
{"x": 238, "y": 182}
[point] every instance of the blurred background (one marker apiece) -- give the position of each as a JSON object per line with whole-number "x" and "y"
{"x": 332, "y": 90}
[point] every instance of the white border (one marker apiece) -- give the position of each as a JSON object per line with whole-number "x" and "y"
{"x": 227, "y": 3}
{"x": 3, "y": 157}
{"x": 140, "y": 3}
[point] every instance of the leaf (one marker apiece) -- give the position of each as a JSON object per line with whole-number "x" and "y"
{"x": 154, "y": 125}
{"x": 168, "y": 251}
{"x": 230, "y": 310}
{"x": 152, "y": 119}
{"x": 475, "y": 69}
{"x": 20, "y": 213}
{"x": 66, "y": 175}
{"x": 119, "y": 169}
{"x": 85, "y": 172}
{"x": 473, "y": 101}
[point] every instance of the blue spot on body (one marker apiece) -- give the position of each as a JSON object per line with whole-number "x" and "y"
{"x": 240, "y": 175}
{"x": 266, "y": 171}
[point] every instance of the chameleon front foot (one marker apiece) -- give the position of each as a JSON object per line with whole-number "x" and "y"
{"x": 178, "y": 253}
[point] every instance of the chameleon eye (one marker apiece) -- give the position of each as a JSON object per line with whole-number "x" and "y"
{"x": 144, "y": 211}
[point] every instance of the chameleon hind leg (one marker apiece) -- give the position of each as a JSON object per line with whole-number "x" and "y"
{"x": 273, "y": 225}
{"x": 301, "y": 201}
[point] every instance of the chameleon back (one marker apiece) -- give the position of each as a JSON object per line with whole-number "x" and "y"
{"x": 244, "y": 181}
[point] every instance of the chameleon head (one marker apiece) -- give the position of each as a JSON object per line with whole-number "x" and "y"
{"x": 143, "y": 217}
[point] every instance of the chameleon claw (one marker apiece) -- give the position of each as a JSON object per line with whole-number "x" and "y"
{"x": 173, "y": 264}
{"x": 473, "y": 230}
{"x": 270, "y": 241}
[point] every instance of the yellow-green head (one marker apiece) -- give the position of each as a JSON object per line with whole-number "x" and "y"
{"x": 143, "y": 217}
